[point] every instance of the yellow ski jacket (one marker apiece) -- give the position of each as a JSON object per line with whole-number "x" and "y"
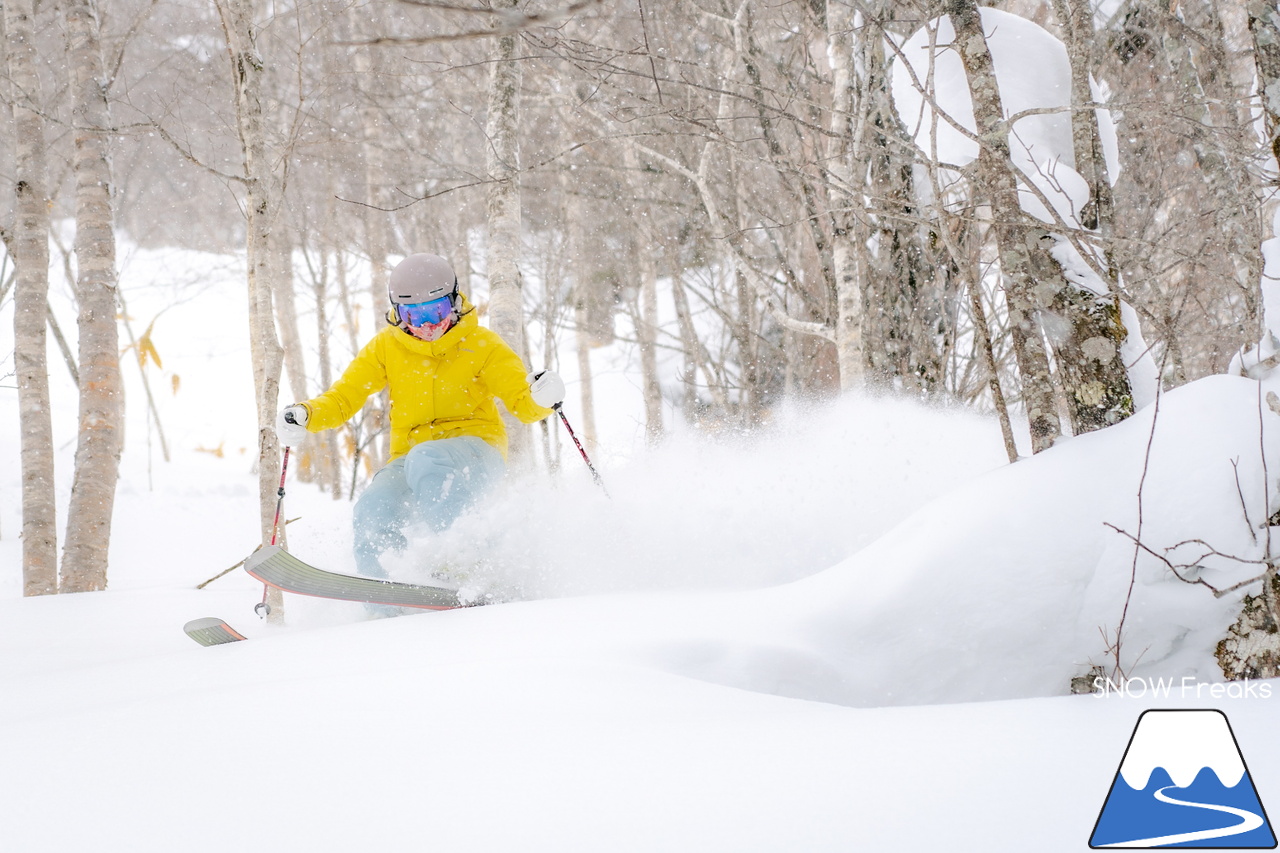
{"x": 438, "y": 389}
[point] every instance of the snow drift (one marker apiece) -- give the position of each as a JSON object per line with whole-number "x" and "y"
{"x": 1015, "y": 582}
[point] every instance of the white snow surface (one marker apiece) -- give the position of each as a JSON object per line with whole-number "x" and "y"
{"x": 852, "y": 629}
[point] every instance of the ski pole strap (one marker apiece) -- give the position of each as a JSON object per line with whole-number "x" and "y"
{"x": 595, "y": 475}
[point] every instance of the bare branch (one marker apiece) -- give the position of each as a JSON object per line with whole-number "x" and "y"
{"x": 509, "y": 22}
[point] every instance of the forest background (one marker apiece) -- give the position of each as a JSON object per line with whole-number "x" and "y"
{"x": 815, "y": 207}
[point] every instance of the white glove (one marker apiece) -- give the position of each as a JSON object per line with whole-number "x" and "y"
{"x": 546, "y": 388}
{"x": 291, "y": 426}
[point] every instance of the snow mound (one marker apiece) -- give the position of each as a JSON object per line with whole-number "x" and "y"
{"x": 1017, "y": 581}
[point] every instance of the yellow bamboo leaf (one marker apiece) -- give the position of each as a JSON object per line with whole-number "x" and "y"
{"x": 213, "y": 451}
{"x": 175, "y": 381}
{"x": 148, "y": 349}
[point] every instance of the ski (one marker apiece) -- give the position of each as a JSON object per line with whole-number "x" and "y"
{"x": 276, "y": 567}
{"x": 211, "y": 631}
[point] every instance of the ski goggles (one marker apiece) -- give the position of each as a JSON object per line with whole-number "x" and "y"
{"x": 426, "y": 313}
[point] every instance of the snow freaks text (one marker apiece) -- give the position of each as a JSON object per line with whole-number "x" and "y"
{"x": 1187, "y": 687}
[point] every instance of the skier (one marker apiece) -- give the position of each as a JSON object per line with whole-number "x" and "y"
{"x": 443, "y": 371}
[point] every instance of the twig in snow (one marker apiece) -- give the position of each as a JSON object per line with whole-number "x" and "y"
{"x": 1244, "y": 507}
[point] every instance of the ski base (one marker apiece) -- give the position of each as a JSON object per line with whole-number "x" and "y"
{"x": 212, "y": 631}
{"x": 276, "y": 567}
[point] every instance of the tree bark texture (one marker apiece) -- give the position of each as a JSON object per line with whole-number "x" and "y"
{"x": 1264, "y": 26}
{"x": 84, "y": 563}
{"x": 261, "y": 208}
{"x": 31, "y": 246}
{"x": 1185, "y": 148}
{"x": 506, "y": 294}
{"x": 1076, "y": 18}
{"x": 848, "y": 237}
{"x": 1090, "y": 363}
{"x": 999, "y": 184}
{"x": 1094, "y": 376}
{"x": 1221, "y": 165}
{"x": 906, "y": 327}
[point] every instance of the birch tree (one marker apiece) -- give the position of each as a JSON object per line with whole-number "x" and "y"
{"x": 999, "y": 186}
{"x": 582, "y": 297}
{"x": 1095, "y": 378}
{"x": 261, "y": 207}
{"x": 506, "y": 294}
{"x": 369, "y": 67}
{"x": 31, "y": 244}
{"x": 84, "y": 564}
{"x": 775, "y": 186}
{"x": 1264, "y": 26}
{"x": 645, "y": 305}
{"x": 907, "y": 328}
{"x": 849, "y": 238}
{"x": 1186, "y": 223}
{"x": 645, "y": 312}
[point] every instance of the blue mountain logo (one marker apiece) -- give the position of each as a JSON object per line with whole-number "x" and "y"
{"x": 1183, "y": 783}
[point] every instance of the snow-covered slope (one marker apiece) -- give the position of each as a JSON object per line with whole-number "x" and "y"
{"x": 1018, "y": 580}
{"x": 757, "y": 644}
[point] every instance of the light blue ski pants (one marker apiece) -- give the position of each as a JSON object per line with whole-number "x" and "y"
{"x": 433, "y": 483}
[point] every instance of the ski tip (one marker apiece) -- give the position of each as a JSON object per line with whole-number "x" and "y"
{"x": 259, "y": 556}
{"x": 211, "y": 631}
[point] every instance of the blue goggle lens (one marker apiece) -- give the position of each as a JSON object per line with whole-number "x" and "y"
{"x": 426, "y": 313}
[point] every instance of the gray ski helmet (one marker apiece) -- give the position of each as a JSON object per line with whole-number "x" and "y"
{"x": 421, "y": 278}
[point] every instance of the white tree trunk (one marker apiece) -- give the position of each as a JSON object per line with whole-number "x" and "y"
{"x": 261, "y": 205}
{"x": 373, "y": 141}
{"x": 31, "y": 244}
{"x": 366, "y": 21}
{"x": 646, "y": 313}
{"x": 848, "y": 234}
{"x": 287, "y": 313}
{"x": 84, "y": 563}
{"x": 647, "y": 331}
{"x": 580, "y": 296}
{"x": 506, "y": 308}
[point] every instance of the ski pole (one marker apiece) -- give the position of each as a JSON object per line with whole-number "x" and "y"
{"x": 595, "y": 475}
{"x": 284, "y": 468}
{"x": 262, "y": 608}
